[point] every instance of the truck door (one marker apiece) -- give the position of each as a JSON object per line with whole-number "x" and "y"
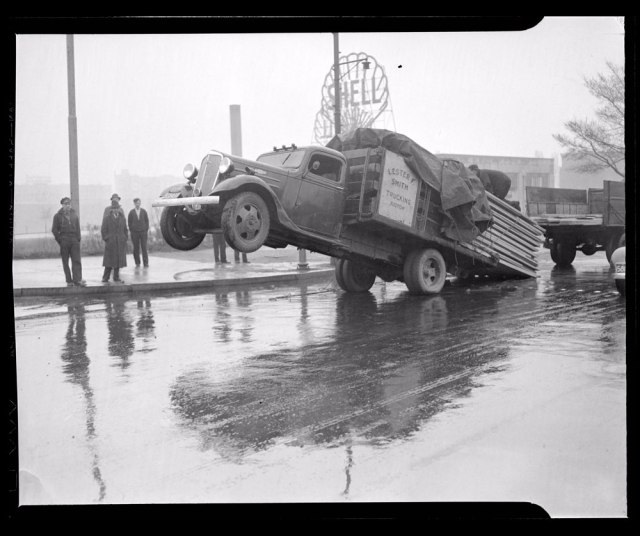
{"x": 320, "y": 201}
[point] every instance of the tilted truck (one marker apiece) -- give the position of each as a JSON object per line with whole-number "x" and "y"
{"x": 381, "y": 205}
{"x": 579, "y": 220}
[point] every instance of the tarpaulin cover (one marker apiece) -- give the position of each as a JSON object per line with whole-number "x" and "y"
{"x": 464, "y": 199}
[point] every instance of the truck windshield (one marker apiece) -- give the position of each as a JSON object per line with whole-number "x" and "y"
{"x": 289, "y": 159}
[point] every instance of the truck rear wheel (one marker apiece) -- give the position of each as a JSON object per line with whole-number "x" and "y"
{"x": 176, "y": 229}
{"x": 245, "y": 222}
{"x": 565, "y": 253}
{"x": 354, "y": 277}
{"x": 425, "y": 271}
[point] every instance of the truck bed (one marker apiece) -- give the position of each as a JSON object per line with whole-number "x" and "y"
{"x": 508, "y": 247}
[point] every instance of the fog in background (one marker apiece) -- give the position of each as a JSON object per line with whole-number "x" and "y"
{"x": 151, "y": 103}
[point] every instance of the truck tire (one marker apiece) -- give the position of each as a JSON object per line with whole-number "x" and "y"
{"x": 246, "y": 222}
{"x": 620, "y": 285}
{"x": 565, "y": 253}
{"x": 354, "y": 277}
{"x": 176, "y": 230}
{"x": 425, "y": 271}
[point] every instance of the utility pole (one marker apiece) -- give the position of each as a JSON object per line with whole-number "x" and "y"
{"x": 73, "y": 129}
{"x": 336, "y": 84}
{"x": 236, "y": 130}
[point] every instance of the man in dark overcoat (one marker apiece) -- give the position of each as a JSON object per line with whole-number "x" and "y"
{"x": 115, "y": 235}
{"x": 138, "y": 221}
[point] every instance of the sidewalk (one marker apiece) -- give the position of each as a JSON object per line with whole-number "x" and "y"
{"x": 168, "y": 271}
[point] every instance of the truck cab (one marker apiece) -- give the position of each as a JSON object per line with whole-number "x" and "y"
{"x": 291, "y": 195}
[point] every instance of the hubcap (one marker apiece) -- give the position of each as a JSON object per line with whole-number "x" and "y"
{"x": 248, "y": 222}
{"x": 430, "y": 271}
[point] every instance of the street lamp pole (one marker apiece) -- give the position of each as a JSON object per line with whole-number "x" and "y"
{"x": 73, "y": 129}
{"x": 336, "y": 84}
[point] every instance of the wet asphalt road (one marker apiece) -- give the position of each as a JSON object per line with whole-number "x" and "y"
{"x": 491, "y": 391}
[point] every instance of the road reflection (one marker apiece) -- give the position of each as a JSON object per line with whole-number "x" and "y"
{"x": 388, "y": 368}
{"x": 76, "y": 368}
{"x": 145, "y": 325}
{"x": 121, "y": 339}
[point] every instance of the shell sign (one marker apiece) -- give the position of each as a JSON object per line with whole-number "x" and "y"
{"x": 364, "y": 95}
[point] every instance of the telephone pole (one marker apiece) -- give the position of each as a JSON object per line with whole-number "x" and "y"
{"x": 336, "y": 84}
{"x": 73, "y": 129}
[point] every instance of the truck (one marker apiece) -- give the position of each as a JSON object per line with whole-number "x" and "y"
{"x": 383, "y": 207}
{"x": 586, "y": 220}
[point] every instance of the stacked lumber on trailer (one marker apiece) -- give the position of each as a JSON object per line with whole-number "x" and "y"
{"x": 513, "y": 238}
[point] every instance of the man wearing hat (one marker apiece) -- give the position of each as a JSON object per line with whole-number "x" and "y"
{"x": 66, "y": 231}
{"x": 115, "y": 234}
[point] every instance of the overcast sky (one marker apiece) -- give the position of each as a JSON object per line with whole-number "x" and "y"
{"x": 151, "y": 103}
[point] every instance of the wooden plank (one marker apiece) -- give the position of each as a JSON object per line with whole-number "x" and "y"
{"x": 518, "y": 234}
{"x": 507, "y": 242}
{"x": 510, "y": 241}
{"x": 525, "y": 221}
{"x": 594, "y": 220}
{"x": 515, "y": 256}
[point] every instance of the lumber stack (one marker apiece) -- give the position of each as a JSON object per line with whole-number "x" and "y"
{"x": 513, "y": 238}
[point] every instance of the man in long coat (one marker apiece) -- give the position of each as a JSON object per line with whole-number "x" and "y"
{"x": 115, "y": 235}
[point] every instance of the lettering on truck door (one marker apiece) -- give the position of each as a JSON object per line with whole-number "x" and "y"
{"x": 398, "y": 191}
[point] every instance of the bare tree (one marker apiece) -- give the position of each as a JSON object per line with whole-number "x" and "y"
{"x": 599, "y": 144}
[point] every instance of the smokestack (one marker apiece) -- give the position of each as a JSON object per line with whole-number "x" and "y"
{"x": 236, "y": 130}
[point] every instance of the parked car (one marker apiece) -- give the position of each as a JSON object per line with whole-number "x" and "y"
{"x": 618, "y": 260}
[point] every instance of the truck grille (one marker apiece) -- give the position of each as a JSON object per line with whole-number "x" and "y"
{"x": 208, "y": 174}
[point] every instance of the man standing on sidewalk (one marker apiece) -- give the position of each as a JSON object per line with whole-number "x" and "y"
{"x": 139, "y": 228}
{"x": 66, "y": 231}
{"x": 219, "y": 247}
{"x": 114, "y": 233}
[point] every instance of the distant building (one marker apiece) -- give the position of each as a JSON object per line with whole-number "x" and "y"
{"x": 129, "y": 186}
{"x": 36, "y": 202}
{"x": 570, "y": 178}
{"x": 523, "y": 171}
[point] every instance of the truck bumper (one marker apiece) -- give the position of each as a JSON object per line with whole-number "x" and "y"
{"x": 194, "y": 202}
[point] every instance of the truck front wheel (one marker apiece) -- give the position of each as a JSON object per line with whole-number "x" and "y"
{"x": 246, "y": 222}
{"x": 354, "y": 277}
{"x": 176, "y": 229}
{"x": 425, "y": 271}
{"x": 565, "y": 253}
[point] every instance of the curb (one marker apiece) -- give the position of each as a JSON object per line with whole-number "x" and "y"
{"x": 173, "y": 285}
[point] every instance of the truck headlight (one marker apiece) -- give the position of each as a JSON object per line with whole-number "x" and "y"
{"x": 190, "y": 172}
{"x": 226, "y": 165}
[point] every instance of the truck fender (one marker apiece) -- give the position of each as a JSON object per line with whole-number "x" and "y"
{"x": 229, "y": 187}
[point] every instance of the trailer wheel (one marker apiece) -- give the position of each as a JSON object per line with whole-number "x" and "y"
{"x": 176, "y": 229}
{"x": 425, "y": 271}
{"x": 565, "y": 253}
{"x": 354, "y": 277}
{"x": 245, "y": 222}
